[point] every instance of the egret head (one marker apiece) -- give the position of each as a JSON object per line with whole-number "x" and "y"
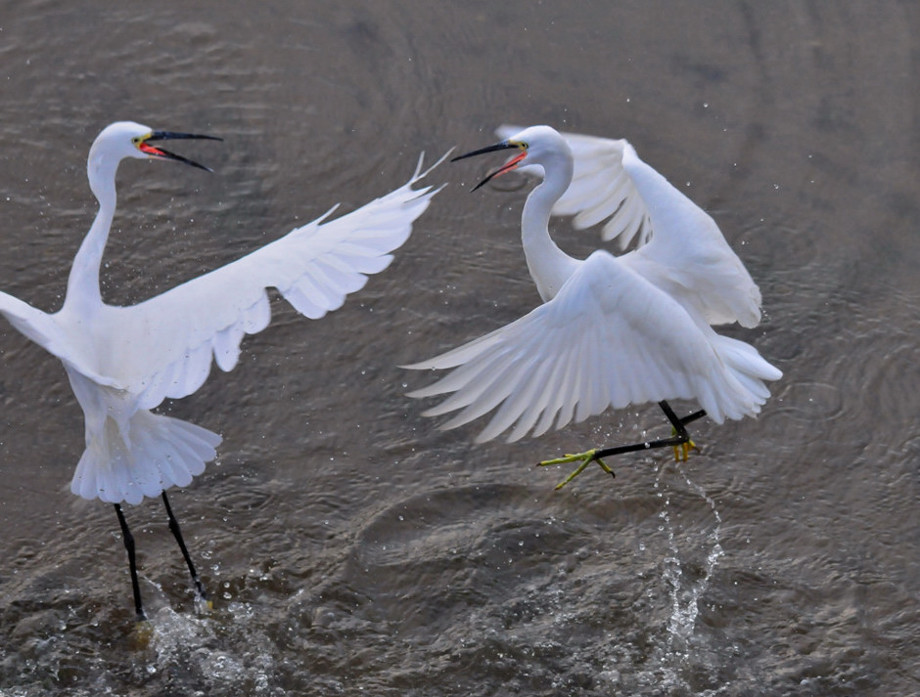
{"x": 536, "y": 145}
{"x": 128, "y": 139}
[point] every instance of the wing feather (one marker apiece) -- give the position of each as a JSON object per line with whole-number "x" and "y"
{"x": 608, "y": 338}
{"x": 167, "y": 342}
{"x": 694, "y": 262}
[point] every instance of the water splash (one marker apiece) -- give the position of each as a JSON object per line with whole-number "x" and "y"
{"x": 685, "y": 592}
{"x": 213, "y": 650}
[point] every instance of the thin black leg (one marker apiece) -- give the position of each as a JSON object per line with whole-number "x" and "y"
{"x": 680, "y": 438}
{"x": 177, "y": 533}
{"x": 129, "y": 545}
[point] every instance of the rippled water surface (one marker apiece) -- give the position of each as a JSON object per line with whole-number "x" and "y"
{"x": 350, "y": 547}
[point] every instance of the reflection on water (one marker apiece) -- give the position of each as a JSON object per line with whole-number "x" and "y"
{"x": 348, "y": 545}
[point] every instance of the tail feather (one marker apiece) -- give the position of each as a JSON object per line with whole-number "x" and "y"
{"x": 143, "y": 456}
{"x": 749, "y": 370}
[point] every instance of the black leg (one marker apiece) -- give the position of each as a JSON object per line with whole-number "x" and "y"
{"x": 129, "y": 545}
{"x": 177, "y": 533}
{"x": 679, "y": 439}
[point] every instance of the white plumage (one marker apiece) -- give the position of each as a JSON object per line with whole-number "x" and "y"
{"x": 123, "y": 361}
{"x": 613, "y": 330}
{"x": 601, "y": 189}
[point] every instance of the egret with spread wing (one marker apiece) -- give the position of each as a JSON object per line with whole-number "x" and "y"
{"x": 124, "y": 361}
{"x": 612, "y": 330}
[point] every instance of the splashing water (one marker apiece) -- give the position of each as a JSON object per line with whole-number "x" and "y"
{"x": 685, "y": 592}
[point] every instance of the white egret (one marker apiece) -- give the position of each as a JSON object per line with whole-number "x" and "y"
{"x": 124, "y": 361}
{"x": 613, "y": 330}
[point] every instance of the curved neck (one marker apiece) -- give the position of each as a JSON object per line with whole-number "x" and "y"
{"x": 83, "y": 284}
{"x": 549, "y": 266}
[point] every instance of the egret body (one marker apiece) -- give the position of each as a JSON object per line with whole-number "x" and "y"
{"x": 124, "y": 361}
{"x": 612, "y": 330}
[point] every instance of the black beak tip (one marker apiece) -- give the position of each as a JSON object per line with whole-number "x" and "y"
{"x": 172, "y": 135}
{"x": 504, "y": 145}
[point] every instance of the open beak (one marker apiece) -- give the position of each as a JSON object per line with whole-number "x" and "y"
{"x": 145, "y": 147}
{"x": 507, "y": 167}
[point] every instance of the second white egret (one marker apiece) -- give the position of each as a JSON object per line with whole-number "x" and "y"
{"x": 612, "y": 330}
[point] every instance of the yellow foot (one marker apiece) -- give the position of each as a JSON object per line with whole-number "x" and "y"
{"x": 203, "y": 605}
{"x": 143, "y": 633}
{"x": 585, "y": 458}
{"x": 682, "y": 451}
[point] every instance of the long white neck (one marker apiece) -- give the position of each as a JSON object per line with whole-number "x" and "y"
{"x": 83, "y": 284}
{"x": 549, "y": 266}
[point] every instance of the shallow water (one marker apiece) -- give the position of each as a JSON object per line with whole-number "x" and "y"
{"x": 352, "y": 548}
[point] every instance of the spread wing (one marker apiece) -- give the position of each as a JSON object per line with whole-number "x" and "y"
{"x": 163, "y": 347}
{"x": 609, "y": 338}
{"x": 687, "y": 255}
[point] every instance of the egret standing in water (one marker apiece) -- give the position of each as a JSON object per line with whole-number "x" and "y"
{"x": 612, "y": 330}
{"x": 124, "y": 361}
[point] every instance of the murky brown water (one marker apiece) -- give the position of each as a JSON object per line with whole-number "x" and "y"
{"x": 353, "y": 549}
